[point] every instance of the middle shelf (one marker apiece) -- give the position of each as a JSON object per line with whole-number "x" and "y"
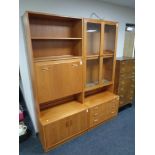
{"x": 56, "y": 47}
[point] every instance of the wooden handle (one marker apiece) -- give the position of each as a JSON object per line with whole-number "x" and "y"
{"x": 45, "y": 68}
{"x": 74, "y": 65}
{"x": 70, "y": 122}
{"x": 67, "y": 124}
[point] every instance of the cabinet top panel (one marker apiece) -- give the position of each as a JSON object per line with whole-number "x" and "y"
{"x": 100, "y": 98}
{"x": 50, "y": 16}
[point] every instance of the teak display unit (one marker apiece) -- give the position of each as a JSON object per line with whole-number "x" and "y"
{"x": 72, "y": 67}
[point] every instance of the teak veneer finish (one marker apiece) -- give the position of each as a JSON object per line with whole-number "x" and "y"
{"x": 72, "y": 72}
{"x": 125, "y": 80}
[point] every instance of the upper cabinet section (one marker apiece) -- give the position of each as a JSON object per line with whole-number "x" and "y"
{"x": 55, "y": 37}
{"x": 109, "y": 40}
{"x": 93, "y": 39}
{"x": 54, "y": 27}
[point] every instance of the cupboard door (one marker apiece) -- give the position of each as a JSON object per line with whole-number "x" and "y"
{"x": 78, "y": 123}
{"x": 58, "y": 79}
{"x": 56, "y": 132}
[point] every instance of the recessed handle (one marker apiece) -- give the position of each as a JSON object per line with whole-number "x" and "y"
{"x": 70, "y": 122}
{"x": 74, "y": 65}
{"x": 45, "y": 69}
{"x": 67, "y": 124}
{"x": 95, "y": 120}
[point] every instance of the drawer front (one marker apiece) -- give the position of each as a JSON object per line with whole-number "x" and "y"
{"x": 95, "y": 113}
{"x": 103, "y": 112}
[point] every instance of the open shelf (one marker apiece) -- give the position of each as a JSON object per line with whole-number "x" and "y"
{"x": 99, "y": 98}
{"x": 49, "y": 48}
{"x": 61, "y": 111}
{"x": 109, "y": 39}
{"x": 56, "y": 58}
{"x": 92, "y": 73}
{"x": 93, "y": 38}
{"x": 91, "y": 57}
{"x": 55, "y": 27}
{"x": 51, "y": 38}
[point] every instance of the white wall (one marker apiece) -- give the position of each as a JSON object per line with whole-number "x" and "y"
{"x": 77, "y": 8}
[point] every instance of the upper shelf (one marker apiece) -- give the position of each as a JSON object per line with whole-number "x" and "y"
{"x": 63, "y": 57}
{"x": 54, "y": 38}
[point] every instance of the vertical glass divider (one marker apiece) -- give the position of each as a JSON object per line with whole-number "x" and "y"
{"x": 101, "y": 54}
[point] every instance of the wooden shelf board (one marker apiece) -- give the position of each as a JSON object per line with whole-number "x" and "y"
{"x": 108, "y": 54}
{"x": 92, "y": 86}
{"x": 56, "y": 58}
{"x": 61, "y": 111}
{"x": 106, "y": 82}
{"x": 91, "y": 57}
{"x": 51, "y": 38}
{"x": 99, "y": 98}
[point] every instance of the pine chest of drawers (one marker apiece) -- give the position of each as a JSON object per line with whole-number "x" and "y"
{"x": 125, "y": 80}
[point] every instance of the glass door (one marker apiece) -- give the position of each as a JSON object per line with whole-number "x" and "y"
{"x": 93, "y": 39}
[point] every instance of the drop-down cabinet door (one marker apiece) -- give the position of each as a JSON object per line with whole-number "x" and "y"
{"x": 57, "y": 79}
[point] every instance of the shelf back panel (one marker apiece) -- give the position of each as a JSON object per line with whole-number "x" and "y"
{"x": 92, "y": 72}
{"x": 45, "y": 48}
{"x": 44, "y": 27}
{"x": 93, "y": 38}
{"x": 109, "y": 37}
{"x": 107, "y": 70}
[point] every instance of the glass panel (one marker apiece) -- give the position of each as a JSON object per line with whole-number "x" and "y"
{"x": 109, "y": 40}
{"x": 107, "y": 70}
{"x": 92, "y": 72}
{"x": 93, "y": 38}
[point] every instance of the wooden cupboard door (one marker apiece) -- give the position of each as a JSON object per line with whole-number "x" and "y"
{"x": 56, "y": 132}
{"x": 78, "y": 123}
{"x": 66, "y": 78}
{"x": 43, "y": 83}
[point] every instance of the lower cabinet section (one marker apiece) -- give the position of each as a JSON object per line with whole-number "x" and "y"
{"x": 68, "y": 120}
{"x": 60, "y": 130}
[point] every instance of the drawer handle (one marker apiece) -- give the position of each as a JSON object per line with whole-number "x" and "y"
{"x": 96, "y": 108}
{"x": 45, "y": 69}
{"x": 70, "y": 122}
{"x": 95, "y": 120}
{"x": 96, "y": 114}
{"x": 74, "y": 65}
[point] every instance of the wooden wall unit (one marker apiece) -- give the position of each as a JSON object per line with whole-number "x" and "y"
{"x": 72, "y": 66}
{"x": 125, "y": 80}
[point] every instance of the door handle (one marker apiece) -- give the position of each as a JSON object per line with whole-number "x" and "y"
{"x": 74, "y": 65}
{"x": 67, "y": 124}
{"x": 44, "y": 69}
{"x": 70, "y": 122}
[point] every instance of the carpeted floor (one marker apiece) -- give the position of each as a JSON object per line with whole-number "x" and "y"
{"x": 116, "y": 137}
